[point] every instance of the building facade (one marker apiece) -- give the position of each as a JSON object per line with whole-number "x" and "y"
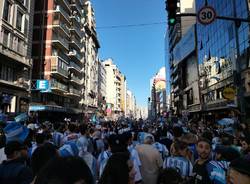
{"x": 115, "y": 85}
{"x": 172, "y": 37}
{"x": 158, "y": 99}
{"x": 131, "y": 105}
{"x": 16, "y": 24}
{"x": 184, "y": 75}
{"x": 59, "y": 57}
{"x": 123, "y": 94}
{"x": 91, "y": 63}
{"x": 223, "y": 59}
{"x": 101, "y": 86}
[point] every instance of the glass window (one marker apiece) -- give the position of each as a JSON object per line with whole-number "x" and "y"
{"x": 7, "y": 11}
{"x": 19, "y": 20}
{"x": 5, "y": 38}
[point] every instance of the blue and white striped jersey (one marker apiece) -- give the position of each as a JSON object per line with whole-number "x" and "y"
{"x": 183, "y": 165}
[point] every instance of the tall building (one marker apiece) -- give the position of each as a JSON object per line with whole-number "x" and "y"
{"x": 123, "y": 94}
{"x": 131, "y": 105}
{"x": 158, "y": 99}
{"x": 179, "y": 51}
{"x": 223, "y": 59}
{"x": 91, "y": 60}
{"x": 16, "y": 24}
{"x": 115, "y": 82}
{"x": 101, "y": 85}
{"x": 59, "y": 56}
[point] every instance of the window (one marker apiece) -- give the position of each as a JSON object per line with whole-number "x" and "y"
{"x": 7, "y": 11}
{"x": 19, "y": 19}
{"x": 7, "y": 73}
{"x": 5, "y": 38}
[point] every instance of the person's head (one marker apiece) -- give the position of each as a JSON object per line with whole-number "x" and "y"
{"x": 177, "y": 131}
{"x": 227, "y": 139}
{"x": 179, "y": 148}
{"x": 119, "y": 169}
{"x": 226, "y": 153}
{"x": 68, "y": 170}
{"x": 169, "y": 176}
{"x": 128, "y": 137}
{"x": 42, "y": 155}
{"x": 245, "y": 143}
{"x": 40, "y": 138}
{"x": 116, "y": 143}
{"x": 15, "y": 150}
{"x": 83, "y": 129}
{"x": 72, "y": 127}
{"x": 149, "y": 139}
{"x": 239, "y": 171}
{"x": 203, "y": 148}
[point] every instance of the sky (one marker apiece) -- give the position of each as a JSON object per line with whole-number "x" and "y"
{"x": 137, "y": 51}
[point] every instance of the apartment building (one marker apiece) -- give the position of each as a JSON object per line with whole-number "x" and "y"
{"x": 91, "y": 60}
{"x": 101, "y": 85}
{"x": 59, "y": 56}
{"x": 16, "y": 23}
{"x": 115, "y": 84}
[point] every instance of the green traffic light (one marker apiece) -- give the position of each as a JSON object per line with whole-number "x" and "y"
{"x": 172, "y": 21}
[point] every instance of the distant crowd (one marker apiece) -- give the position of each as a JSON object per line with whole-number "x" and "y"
{"x": 125, "y": 152}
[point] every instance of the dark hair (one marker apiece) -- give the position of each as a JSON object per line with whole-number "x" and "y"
{"x": 202, "y": 139}
{"x": 117, "y": 143}
{"x": 179, "y": 145}
{"x": 67, "y": 170}
{"x": 13, "y": 146}
{"x": 246, "y": 139}
{"x": 116, "y": 170}
{"x": 208, "y": 135}
{"x": 42, "y": 155}
{"x": 169, "y": 176}
{"x": 40, "y": 138}
{"x": 72, "y": 127}
{"x": 227, "y": 153}
{"x": 82, "y": 129}
{"x": 177, "y": 131}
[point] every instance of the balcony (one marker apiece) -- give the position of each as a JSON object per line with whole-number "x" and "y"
{"x": 76, "y": 80}
{"x": 59, "y": 67}
{"x": 76, "y": 42}
{"x": 60, "y": 10}
{"x": 74, "y": 92}
{"x": 61, "y": 27}
{"x": 58, "y": 86}
{"x": 75, "y": 19}
{"x": 74, "y": 67}
{"x": 65, "y": 3}
{"x": 75, "y": 4}
{"x": 75, "y": 55}
{"x": 60, "y": 42}
{"x": 76, "y": 30}
{"x": 20, "y": 83}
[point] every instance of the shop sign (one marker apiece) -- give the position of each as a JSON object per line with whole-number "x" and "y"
{"x": 229, "y": 93}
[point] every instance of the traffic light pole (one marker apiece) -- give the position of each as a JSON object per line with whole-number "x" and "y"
{"x": 217, "y": 17}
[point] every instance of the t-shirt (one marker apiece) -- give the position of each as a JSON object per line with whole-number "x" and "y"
{"x": 200, "y": 174}
{"x": 184, "y": 166}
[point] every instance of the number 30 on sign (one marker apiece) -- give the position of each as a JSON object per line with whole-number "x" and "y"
{"x": 206, "y": 15}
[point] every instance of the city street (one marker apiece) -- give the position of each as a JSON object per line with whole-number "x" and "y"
{"x": 124, "y": 92}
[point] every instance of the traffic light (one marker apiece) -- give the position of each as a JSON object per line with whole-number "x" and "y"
{"x": 171, "y": 7}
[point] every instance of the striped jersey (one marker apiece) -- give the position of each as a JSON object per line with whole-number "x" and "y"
{"x": 183, "y": 165}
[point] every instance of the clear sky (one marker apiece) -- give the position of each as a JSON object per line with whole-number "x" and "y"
{"x": 137, "y": 51}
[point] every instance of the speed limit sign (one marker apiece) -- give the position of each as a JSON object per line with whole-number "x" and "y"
{"x": 206, "y": 15}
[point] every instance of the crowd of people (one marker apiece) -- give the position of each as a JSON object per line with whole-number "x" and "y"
{"x": 124, "y": 152}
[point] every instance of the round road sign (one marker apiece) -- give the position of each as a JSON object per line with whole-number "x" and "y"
{"x": 206, "y": 15}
